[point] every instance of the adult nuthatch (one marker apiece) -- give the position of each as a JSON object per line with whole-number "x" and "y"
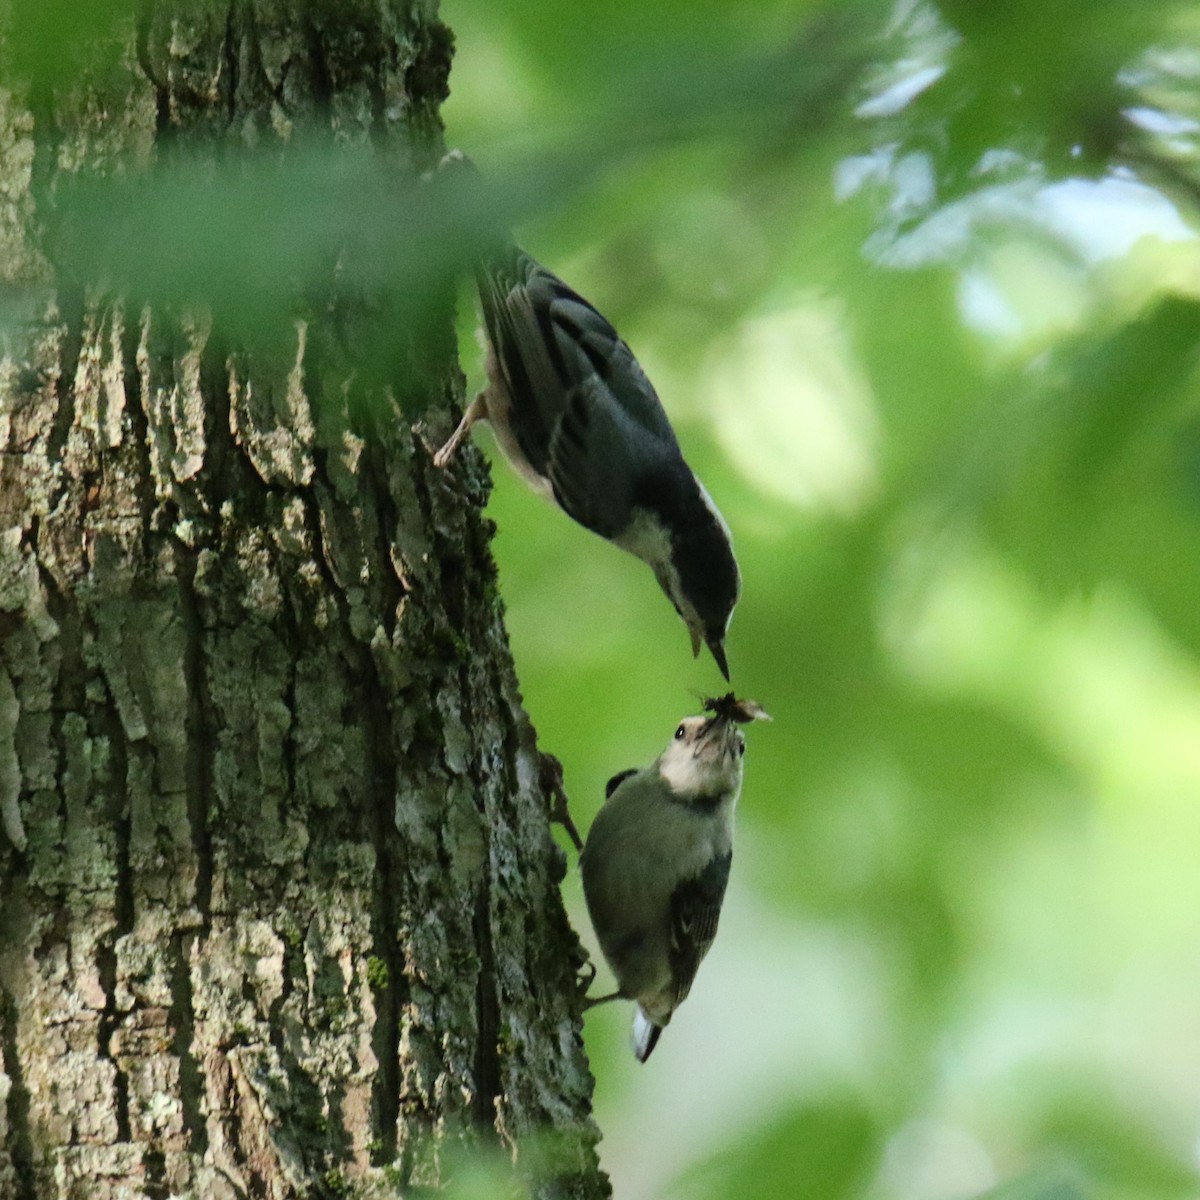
{"x": 576, "y": 416}
{"x": 657, "y": 860}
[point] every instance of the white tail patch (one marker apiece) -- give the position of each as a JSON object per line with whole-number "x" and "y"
{"x": 645, "y": 1034}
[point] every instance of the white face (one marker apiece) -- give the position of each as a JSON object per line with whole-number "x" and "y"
{"x": 704, "y": 759}
{"x": 647, "y": 540}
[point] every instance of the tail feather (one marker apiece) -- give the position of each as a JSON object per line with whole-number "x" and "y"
{"x": 645, "y": 1035}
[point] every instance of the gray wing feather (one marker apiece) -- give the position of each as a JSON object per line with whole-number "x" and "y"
{"x": 588, "y": 345}
{"x": 584, "y": 413}
{"x": 618, "y": 779}
{"x": 695, "y": 911}
{"x": 597, "y": 458}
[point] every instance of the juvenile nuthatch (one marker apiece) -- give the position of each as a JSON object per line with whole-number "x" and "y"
{"x": 576, "y": 416}
{"x": 657, "y": 860}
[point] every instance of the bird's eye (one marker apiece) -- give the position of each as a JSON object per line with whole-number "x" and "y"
{"x": 679, "y": 732}
{"x": 741, "y": 748}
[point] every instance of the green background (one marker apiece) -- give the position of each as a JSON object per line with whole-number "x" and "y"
{"x": 918, "y": 288}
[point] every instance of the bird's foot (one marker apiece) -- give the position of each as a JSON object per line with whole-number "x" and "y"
{"x": 551, "y": 779}
{"x": 476, "y": 411}
{"x": 592, "y": 1002}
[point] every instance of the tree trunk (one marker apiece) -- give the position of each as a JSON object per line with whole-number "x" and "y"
{"x": 279, "y": 907}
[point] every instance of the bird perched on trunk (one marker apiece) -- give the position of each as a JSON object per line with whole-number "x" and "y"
{"x": 576, "y": 416}
{"x": 657, "y": 860}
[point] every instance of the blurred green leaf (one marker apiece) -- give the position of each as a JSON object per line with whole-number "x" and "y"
{"x": 1048, "y": 1183}
{"x": 1114, "y": 1145}
{"x": 49, "y": 40}
{"x": 826, "y": 1149}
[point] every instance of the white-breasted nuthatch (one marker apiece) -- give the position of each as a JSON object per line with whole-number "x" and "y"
{"x": 657, "y": 860}
{"x": 576, "y": 416}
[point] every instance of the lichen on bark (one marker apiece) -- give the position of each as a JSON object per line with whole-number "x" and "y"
{"x": 279, "y": 908}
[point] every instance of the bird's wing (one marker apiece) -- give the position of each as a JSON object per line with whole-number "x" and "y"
{"x": 694, "y": 911}
{"x": 521, "y": 347}
{"x": 585, "y": 344}
{"x": 618, "y": 779}
{"x": 583, "y": 411}
{"x": 597, "y": 459}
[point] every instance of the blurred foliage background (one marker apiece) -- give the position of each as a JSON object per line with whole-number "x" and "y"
{"x": 918, "y": 285}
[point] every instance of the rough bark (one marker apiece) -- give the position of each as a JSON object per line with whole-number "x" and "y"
{"x": 279, "y": 908}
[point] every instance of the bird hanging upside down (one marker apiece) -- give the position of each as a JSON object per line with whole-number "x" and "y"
{"x": 576, "y": 416}
{"x": 657, "y": 860}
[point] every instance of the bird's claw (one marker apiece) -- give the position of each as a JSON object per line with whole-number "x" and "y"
{"x": 584, "y": 978}
{"x": 551, "y": 779}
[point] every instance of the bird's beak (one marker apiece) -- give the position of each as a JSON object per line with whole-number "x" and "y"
{"x": 719, "y": 738}
{"x": 717, "y": 646}
{"x": 696, "y": 642}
